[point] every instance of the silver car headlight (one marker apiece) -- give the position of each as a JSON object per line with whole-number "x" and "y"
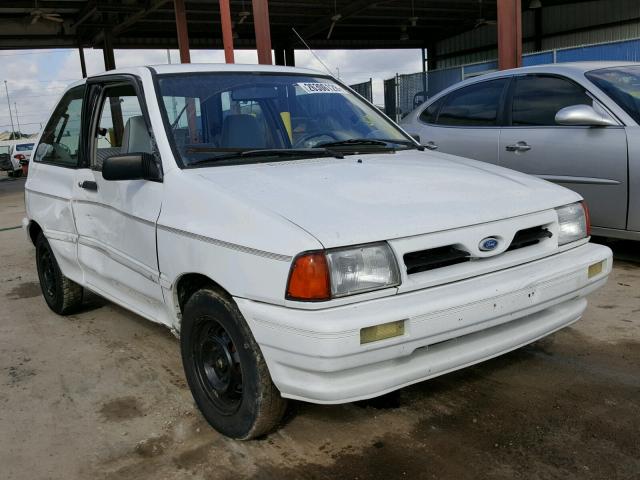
{"x": 573, "y": 223}
{"x": 362, "y": 269}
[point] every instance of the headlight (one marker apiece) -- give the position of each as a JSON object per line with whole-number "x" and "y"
{"x": 335, "y": 273}
{"x": 362, "y": 269}
{"x": 573, "y": 223}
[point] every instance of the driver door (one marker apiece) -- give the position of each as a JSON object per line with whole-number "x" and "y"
{"x": 590, "y": 160}
{"x": 116, "y": 220}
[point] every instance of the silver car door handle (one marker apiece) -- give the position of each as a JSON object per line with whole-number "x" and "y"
{"x": 431, "y": 145}
{"x": 518, "y": 147}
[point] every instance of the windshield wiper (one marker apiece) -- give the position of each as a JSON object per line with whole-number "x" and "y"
{"x": 369, "y": 142}
{"x": 407, "y": 143}
{"x": 355, "y": 142}
{"x": 268, "y": 152}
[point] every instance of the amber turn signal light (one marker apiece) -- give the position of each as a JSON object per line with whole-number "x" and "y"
{"x": 309, "y": 278}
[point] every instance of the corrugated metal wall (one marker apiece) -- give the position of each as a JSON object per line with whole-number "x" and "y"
{"x": 555, "y": 20}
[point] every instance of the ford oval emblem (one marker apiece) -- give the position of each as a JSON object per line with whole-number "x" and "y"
{"x": 488, "y": 244}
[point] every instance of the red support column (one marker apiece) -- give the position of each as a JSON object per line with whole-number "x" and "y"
{"x": 183, "y": 33}
{"x": 509, "y": 34}
{"x": 227, "y": 33}
{"x": 263, "y": 34}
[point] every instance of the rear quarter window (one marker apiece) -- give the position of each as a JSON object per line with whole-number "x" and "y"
{"x": 475, "y": 105}
{"x": 430, "y": 114}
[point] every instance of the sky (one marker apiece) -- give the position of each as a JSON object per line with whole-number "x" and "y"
{"x": 36, "y": 78}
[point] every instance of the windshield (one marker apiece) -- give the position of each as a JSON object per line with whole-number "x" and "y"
{"x": 212, "y": 114}
{"x": 622, "y": 84}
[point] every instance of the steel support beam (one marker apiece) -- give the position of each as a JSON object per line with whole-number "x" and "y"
{"x": 537, "y": 15}
{"x": 83, "y": 65}
{"x": 509, "y": 34}
{"x": 262, "y": 29}
{"x": 107, "y": 51}
{"x": 278, "y": 54}
{"x": 289, "y": 57}
{"x": 227, "y": 31}
{"x": 432, "y": 56}
{"x": 424, "y": 72}
{"x": 183, "y": 32}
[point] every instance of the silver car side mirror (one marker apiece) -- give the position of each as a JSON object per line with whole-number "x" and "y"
{"x": 583, "y": 115}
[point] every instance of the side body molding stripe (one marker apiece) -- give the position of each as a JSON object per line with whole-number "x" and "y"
{"x": 232, "y": 246}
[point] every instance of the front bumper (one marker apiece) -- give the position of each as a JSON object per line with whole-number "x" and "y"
{"x": 316, "y": 355}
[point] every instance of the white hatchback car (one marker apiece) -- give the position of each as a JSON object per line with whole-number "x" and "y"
{"x": 301, "y": 244}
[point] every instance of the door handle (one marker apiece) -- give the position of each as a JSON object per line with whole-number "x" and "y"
{"x": 431, "y": 145}
{"x": 518, "y": 147}
{"x": 88, "y": 185}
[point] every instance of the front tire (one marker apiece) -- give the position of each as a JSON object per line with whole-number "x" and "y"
{"x": 61, "y": 294}
{"x": 225, "y": 369}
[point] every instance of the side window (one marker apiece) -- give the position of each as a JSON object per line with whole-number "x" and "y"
{"x": 473, "y": 106}
{"x": 121, "y": 127}
{"x": 429, "y": 114}
{"x": 60, "y": 140}
{"x": 537, "y": 99}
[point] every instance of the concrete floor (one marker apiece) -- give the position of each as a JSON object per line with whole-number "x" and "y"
{"x": 101, "y": 394}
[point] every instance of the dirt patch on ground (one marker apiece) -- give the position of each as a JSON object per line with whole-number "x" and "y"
{"x": 25, "y": 290}
{"x": 120, "y": 409}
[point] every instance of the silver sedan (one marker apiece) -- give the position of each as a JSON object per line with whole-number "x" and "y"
{"x": 575, "y": 124}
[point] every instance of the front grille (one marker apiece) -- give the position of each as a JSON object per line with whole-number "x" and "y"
{"x": 439, "y": 257}
{"x": 528, "y": 237}
{"x": 424, "y": 260}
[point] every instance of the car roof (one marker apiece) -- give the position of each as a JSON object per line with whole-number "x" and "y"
{"x": 565, "y": 67}
{"x": 206, "y": 67}
{"x": 569, "y": 69}
{"x": 200, "y": 68}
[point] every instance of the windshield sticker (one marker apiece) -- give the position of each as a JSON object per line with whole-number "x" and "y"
{"x": 321, "y": 88}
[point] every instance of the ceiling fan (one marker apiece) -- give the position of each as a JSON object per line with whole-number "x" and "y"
{"x": 39, "y": 14}
{"x": 481, "y": 20}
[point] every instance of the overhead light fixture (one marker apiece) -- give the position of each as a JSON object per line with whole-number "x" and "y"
{"x": 413, "y": 19}
{"x": 335, "y": 19}
{"x": 404, "y": 36}
{"x": 533, "y": 4}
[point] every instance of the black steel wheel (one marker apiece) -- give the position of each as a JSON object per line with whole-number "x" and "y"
{"x": 62, "y": 295}
{"x": 217, "y": 363}
{"x": 225, "y": 369}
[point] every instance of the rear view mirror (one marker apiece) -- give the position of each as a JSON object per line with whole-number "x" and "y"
{"x": 254, "y": 93}
{"x": 583, "y": 115}
{"x": 132, "y": 166}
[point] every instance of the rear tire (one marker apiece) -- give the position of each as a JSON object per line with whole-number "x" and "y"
{"x": 225, "y": 369}
{"x": 61, "y": 294}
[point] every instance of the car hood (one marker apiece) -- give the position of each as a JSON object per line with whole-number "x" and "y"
{"x": 365, "y": 198}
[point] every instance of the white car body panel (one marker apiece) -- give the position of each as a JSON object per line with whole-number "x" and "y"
{"x": 242, "y": 226}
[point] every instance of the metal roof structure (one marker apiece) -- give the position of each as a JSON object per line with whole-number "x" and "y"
{"x": 332, "y": 24}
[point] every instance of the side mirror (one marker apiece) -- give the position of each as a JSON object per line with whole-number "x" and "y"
{"x": 583, "y": 115}
{"x": 416, "y": 137}
{"x": 132, "y": 166}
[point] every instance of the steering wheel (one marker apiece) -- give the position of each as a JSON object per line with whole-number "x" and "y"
{"x": 301, "y": 141}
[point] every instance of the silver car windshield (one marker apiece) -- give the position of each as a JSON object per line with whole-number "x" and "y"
{"x": 622, "y": 84}
{"x": 209, "y": 115}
